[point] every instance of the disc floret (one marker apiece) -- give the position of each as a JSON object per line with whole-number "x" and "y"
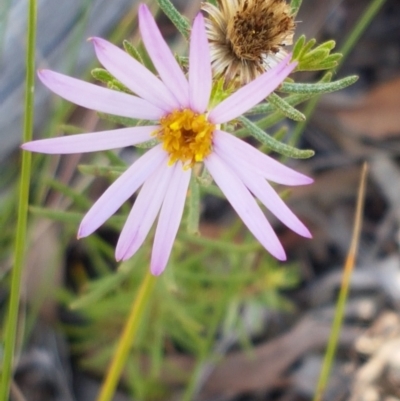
{"x": 186, "y": 136}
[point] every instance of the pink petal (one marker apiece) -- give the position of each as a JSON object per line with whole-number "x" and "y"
{"x": 162, "y": 58}
{"x": 252, "y": 93}
{"x": 170, "y": 218}
{"x": 92, "y": 142}
{"x": 98, "y": 98}
{"x": 121, "y": 190}
{"x": 245, "y": 205}
{"x": 143, "y": 213}
{"x": 268, "y": 196}
{"x": 200, "y": 78}
{"x": 134, "y": 75}
{"x": 250, "y": 158}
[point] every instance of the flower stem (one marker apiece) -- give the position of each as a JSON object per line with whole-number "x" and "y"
{"x": 175, "y": 16}
{"x": 10, "y": 333}
{"x": 344, "y": 291}
{"x": 127, "y": 337}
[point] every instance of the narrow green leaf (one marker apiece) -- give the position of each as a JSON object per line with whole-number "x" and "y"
{"x": 274, "y": 116}
{"x": 148, "y": 144}
{"x": 219, "y": 92}
{"x": 57, "y": 215}
{"x": 330, "y": 62}
{"x": 335, "y": 57}
{"x": 298, "y": 46}
{"x": 78, "y": 198}
{"x": 70, "y": 129}
{"x": 326, "y": 78}
{"x": 183, "y": 61}
{"x": 262, "y": 108}
{"x": 325, "y": 65}
{"x": 273, "y": 144}
{"x": 329, "y": 45}
{"x": 295, "y": 6}
{"x": 286, "y": 109}
{"x": 72, "y": 217}
{"x": 278, "y": 135}
{"x": 318, "y": 88}
{"x": 98, "y": 289}
{"x": 114, "y": 159}
{"x": 306, "y": 48}
{"x": 99, "y": 255}
{"x": 110, "y": 172}
{"x": 102, "y": 75}
{"x": 132, "y": 51}
{"x": 181, "y": 23}
{"x": 127, "y": 122}
{"x": 312, "y": 58}
{"x": 219, "y": 244}
{"x": 102, "y": 248}
{"x": 315, "y": 59}
{"x": 117, "y": 86}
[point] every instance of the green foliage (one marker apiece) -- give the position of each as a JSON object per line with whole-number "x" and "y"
{"x": 272, "y": 143}
{"x": 79, "y": 200}
{"x": 73, "y": 218}
{"x": 125, "y": 121}
{"x": 104, "y": 76}
{"x": 318, "y": 88}
{"x": 314, "y": 59}
{"x": 193, "y": 202}
{"x": 287, "y": 110}
{"x": 219, "y": 92}
{"x": 181, "y": 23}
{"x": 188, "y": 308}
{"x": 132, "y": 51}
{"x": 295, "y": 6}
{"x": 110, "y": 172}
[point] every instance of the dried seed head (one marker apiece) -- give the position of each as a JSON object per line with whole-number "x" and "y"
{"x": 259, "y": 27}
{"x": 247, "y": 36}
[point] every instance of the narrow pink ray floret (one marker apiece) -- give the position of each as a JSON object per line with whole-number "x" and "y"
{"x": 188, "y": 133}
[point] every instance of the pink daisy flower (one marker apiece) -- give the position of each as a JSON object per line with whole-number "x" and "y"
{"x": 188, "y": 133}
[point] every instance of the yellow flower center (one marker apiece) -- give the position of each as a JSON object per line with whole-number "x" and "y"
{"x": 186, "y": 136}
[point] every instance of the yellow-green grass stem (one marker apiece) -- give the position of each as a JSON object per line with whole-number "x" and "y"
{"x": 127, "y": 338}
{"x": 10, "y": 333}
{"x": 344, "y": 292}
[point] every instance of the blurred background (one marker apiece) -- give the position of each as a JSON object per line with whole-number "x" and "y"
{"x": 277, "y": 353}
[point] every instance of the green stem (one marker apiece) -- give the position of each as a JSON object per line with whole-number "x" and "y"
{"x": 10, "y": 334}
{"x": 128, "y": 335}
{"x": 348, "y": 46}
{"x": 343, "y": 294}
{"x": 176, "y": 17}
{"x": 361, "y": 26}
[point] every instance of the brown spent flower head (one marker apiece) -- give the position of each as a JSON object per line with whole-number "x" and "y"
{"x": 247, "y": 36}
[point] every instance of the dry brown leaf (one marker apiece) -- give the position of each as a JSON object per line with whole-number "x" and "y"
{"x": 377, "y": 115}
